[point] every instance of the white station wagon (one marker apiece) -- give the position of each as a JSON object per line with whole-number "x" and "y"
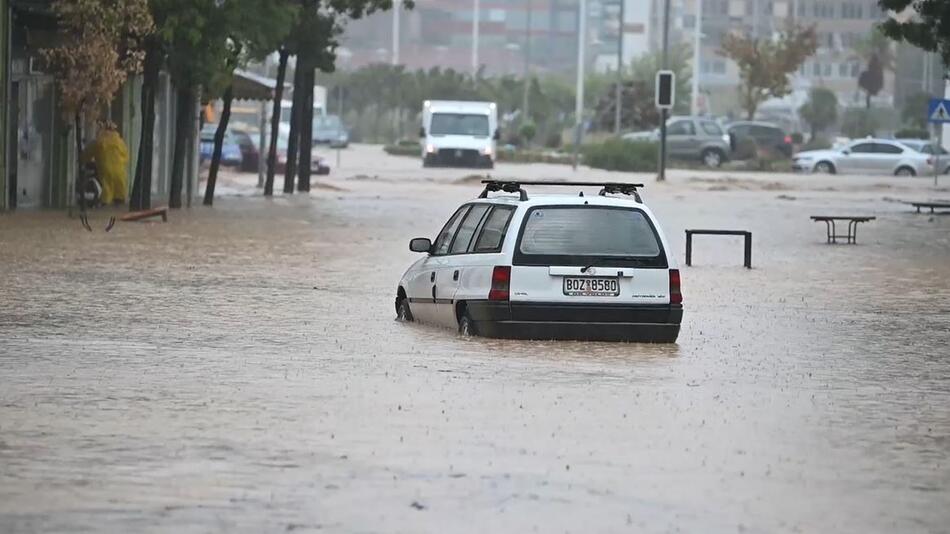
{"x": 577, "y": 267}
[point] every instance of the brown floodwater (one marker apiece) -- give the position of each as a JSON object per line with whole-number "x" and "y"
{"x": 239, "y": 369}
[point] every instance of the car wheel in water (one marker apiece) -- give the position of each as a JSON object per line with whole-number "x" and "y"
{"x": 403, "y": 313}
{"x": 824, "y": 167}
{"x": 712, "y": 158}
{"x": 905, "y": 172}
{"x": 466, "y": 325}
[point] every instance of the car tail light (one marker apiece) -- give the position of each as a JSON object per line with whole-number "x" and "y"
{"x": 788, "y": 139}
{"x": 500, "y": 283}
{"x": 676, "y": 297}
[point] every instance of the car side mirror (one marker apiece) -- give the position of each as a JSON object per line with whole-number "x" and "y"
{"x": 421, "y": 244}
{"x": 846, "y": 152}
{"x": 422, "y": 132}
{"x": 497, "y": 135}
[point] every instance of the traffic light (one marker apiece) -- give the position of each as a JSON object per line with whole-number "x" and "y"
{"x": 665, "y": 89}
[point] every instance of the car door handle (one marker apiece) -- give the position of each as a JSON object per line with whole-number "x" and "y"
{"x": 455, "y": 276}
{"x": 432, "y": 277}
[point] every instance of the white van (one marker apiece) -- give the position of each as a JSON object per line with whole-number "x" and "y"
{"x": 458, "y": 134}
{"x": 594, "y": 267}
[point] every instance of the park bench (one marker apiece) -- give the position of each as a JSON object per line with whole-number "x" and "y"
{"x": 748, "y": 243}
{"x": 833, "y": 234}
{"x": 931, "y": 205}
{"x": 145, "y": 214}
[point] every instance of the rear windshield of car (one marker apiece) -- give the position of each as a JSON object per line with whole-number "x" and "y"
{"x": 589, "y": 235}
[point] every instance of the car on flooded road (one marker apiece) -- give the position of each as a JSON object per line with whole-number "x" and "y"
{"x": 511, "y": 265}
{"x": 866, "y": 156}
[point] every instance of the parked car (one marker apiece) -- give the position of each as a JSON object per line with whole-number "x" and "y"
{"x": 765, "y": 135}
{"x": 230, "y": 150}
{"x": 866, "y": 156}
{"x": 694, "y": 138}
{"x": 929, "y": 148}
{"x": 547, "y": 267}
{"x": 248, "y": 141}
{"x": 329, "y": 130}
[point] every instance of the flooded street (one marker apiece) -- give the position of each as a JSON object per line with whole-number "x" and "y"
{"x": 239, "y": 369}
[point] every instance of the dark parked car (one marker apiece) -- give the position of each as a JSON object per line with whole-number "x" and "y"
{"x": 765, "y": 135}
{"x": 230, "y": 150}
{"x": 247, "y": 140}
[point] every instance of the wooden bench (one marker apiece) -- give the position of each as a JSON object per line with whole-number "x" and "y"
{"x": 833, "y": 234}
{"x": 145, "y": 214}
{"x": 748, "y": 243}
{"x": 931, "y": 205}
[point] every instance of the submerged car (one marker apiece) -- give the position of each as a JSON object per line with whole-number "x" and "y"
{"x": 866, "y": 156}
{"x": 329, "y": 130}
{"x": 594, "y": 267}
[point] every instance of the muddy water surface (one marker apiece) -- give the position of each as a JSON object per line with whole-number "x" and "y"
{"x": 239, "y": 369}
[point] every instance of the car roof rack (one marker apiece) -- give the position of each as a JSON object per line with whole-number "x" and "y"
{"x": 515, "y": 186}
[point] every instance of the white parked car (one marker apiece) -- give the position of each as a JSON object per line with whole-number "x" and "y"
{"x": 931, "y": 149}
{"x": 594, "y": 267}
{"x": 866, "y": 156}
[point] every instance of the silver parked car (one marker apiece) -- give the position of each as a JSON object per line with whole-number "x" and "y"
{"x": 691, "y": 138}
{"x": 929, "y": 148}
{"x": 866, "y": 156}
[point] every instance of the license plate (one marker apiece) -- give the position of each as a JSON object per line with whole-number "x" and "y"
{"x": 591, "y": 287}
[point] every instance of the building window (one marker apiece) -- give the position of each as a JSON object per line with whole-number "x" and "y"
{"x": 816, "y": 69}
{"x": 843, "y": 70}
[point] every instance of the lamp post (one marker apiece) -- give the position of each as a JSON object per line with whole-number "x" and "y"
{"x": 619, "y": 92}
{"x": 396, "y": 6}
{"x": 579, "y": 99}
{"x": 697, "y": 56}
{"x": 663, "y": 112}
{"x": 476, "y": 14}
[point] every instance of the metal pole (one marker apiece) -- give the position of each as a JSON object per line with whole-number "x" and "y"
{"x": 527, "y": 63}
{"x": 339, "y": 124}
{"x": 261, "y": 145}
{"x": 937, "y": 153}
{"x": 396, "y": 5}
{"x": 579, "y": 98}
{"x": 697, "y": 56}
{"x": 619, "y": 96}
{"x": 475, "y": 16}
{"x": 663, "y": 112}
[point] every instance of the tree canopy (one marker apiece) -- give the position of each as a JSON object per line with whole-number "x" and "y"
{"x": 821, "y": 109}
{"x": 922, "y": 23}
{"x": 765, "y": 64}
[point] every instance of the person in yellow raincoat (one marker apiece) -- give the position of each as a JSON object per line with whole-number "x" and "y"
{"x": 111, "y": 156}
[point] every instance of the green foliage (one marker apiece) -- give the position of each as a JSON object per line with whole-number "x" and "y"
{"x": 914, "y": 112}
{"x": 527, "y": 132}
{"x": 912, "y": 133}
{"x": 765, "y": 64}
{"x": 821, "y": 110}
{"x": 797, "y": 138}
{"x": 858, "y": 123}
{"x": 928, "y": 28}
{"x": 638, "y": 111}
{"x": 620, "y": 155}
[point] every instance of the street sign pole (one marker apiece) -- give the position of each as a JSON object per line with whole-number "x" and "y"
{"x": 938, "y": 114}
{"x": 664, "y": 110}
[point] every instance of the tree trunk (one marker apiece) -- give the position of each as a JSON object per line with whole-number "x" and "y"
{"x": 141, "y": 198}
{"x": 275, "y": 123}
{"x": 867, "y": 100}
{"x": 218, "y": 144}
{"x": 306, "y": 130}
{"x": 290, "y": 172}
{"x": 82, "y": 187}
{"x": 183, "y": 125}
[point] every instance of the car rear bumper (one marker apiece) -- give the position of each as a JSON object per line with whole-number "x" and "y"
{"x": 588, "y": 322}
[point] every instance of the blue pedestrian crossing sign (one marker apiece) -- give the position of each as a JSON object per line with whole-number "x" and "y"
{"x": 938, "y": 111}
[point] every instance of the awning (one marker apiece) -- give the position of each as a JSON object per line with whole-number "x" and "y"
{"x": 250, "y": 86}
